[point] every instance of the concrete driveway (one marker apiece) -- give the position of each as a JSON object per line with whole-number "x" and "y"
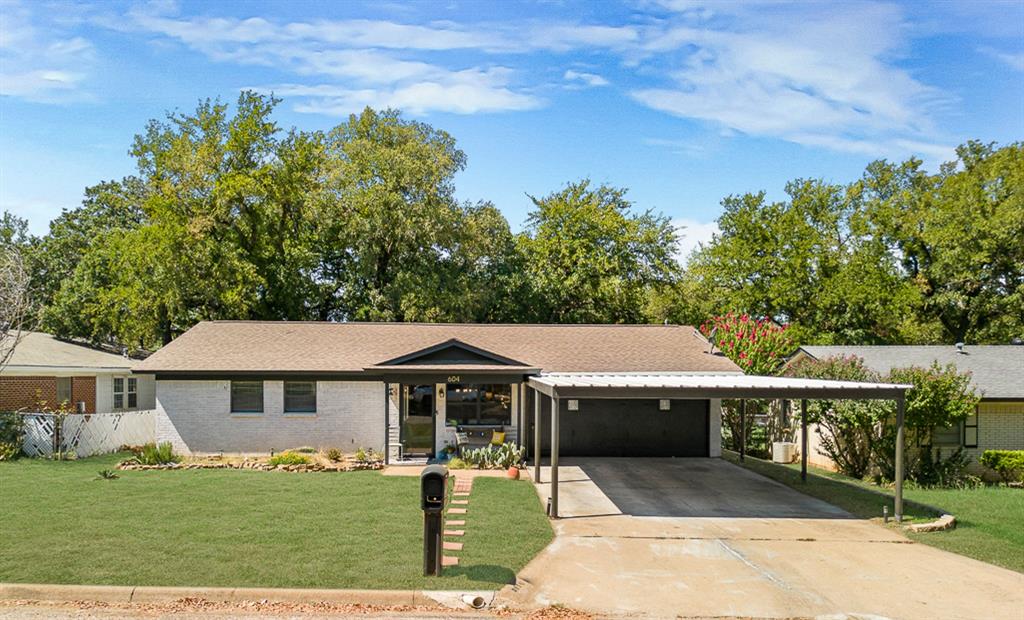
{"x": 705, "y": 538}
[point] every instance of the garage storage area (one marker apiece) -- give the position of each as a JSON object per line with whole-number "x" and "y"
{"x": 628, "y": 427}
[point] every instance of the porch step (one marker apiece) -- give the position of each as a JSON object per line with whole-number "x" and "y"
{"x": 452, "y": 546}
{"x": 460, "y": 502}
{"x": 456, "y": 511}
{"x": 455, "y": 522}
{"x": 447, "y": 560}
{"x": 455, "y": 532}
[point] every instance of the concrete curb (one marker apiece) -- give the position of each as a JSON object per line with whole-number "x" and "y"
{"x": 156, "y": 594}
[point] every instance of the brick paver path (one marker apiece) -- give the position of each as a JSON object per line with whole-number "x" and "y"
{"x": 461, "y": 490}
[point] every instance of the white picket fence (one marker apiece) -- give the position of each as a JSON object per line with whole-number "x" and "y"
{"x": 87, "y": 434}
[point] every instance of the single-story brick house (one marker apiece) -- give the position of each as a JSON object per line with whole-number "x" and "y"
{"x": 411, "y": 389}
{"x": 254, "y": 387}
{"x": 997, "y": 374}
{"x": 44, "y": 372}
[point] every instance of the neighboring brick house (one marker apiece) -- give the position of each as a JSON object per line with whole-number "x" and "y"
{"x": 45, "y": 372}
{"x": 997, "y": 373}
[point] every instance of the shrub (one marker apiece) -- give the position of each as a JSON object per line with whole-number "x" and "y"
{"x": 12, "y": 432}
{"x": 941, "y": 397}
{"x": 304, "y": 450}
{"x": 1009, "y": 464}
{"x": 368, "y": 455}
{"x": 847, "y": 428}
{"x": 948, "y": 473}
{"x": 501, "y": 457}
{"x": 333, "y": 454}
{"x": 156, "y": 454}
{"x": 107, "y": 474}
{"x": 458, "y": 463}
{"x": 289, "y": 458}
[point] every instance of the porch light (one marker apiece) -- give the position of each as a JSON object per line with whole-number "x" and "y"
{"x": 664, "y": 404}
{"x": 574, "y": 405}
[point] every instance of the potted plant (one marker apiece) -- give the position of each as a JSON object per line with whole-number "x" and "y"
{"x": 510, "y": 457}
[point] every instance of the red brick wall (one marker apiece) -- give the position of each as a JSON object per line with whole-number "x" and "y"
{"x": 25, "y": 393}
{"x": 84, "y": 388}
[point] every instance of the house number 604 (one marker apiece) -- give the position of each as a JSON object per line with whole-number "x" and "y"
{"x": 454, "y": 379}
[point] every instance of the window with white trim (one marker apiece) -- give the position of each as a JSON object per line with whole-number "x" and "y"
{"x": 126, "y": 393}
{"x": 118, "y": 393}
{"x": 133, "y": 393}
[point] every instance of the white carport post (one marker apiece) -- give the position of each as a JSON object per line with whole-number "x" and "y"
{"x": 554, "y": 457}
{"x": 536, "y": 436}
{"x": 899, "y": 458}
{"x": 803, "y": 440}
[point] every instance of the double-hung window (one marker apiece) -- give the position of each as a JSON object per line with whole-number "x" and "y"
{"x": 971, "y": 430}
{"x": 300, "y": 396}
{"x": 246, "y": 397}
{"x": 118, "y": 393}
{"x": 63, "y": 391}
{"x": 126, "y": 393}
{"x": 133, "y": 393}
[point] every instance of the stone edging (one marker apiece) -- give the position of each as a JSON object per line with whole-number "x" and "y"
{"x": 158, "y": 594}
{"x": 945, "y": 522}
{"x": 256, "y": 466}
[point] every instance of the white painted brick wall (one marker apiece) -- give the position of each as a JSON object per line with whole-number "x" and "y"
{"x": 196, "y": 417}
{"x": 1000, "y": 427}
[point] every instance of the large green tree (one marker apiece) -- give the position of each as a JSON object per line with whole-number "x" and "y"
{"x": 397, "y": 244}
{"x": 806, "y": 261}
{"x": 231, "y": 217}
{"x": 959, "y": 236}
{"x": 590, "y": 259}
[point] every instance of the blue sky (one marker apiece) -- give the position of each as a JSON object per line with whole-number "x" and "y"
{"x": 682, "y": 102}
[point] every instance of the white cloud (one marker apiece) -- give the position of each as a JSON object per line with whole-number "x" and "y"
{"x": 587, "y": 79}
{"x": 42, "y": 65}
{"x": 692, "y": 234}
{"x": 364, "y": 57}
{"x": 1013, "y": 60}
{"x": 823, "y": 77}
{"x": 460, "y": 92}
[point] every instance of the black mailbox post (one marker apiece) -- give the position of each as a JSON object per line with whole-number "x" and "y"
{"x": 433, "y": 496}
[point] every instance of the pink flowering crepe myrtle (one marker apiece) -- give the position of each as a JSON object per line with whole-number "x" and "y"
{"x": 758, "y": 346}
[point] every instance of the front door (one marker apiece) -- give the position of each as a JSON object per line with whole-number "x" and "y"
{"x": 417, "y": 429}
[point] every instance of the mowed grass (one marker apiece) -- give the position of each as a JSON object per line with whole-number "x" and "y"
{"x": 59, "y": 524}
{"x": 990, "y": 520}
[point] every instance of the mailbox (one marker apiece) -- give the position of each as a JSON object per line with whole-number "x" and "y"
{"x": 433, "y": 488}
{"x": 433, "y": 493}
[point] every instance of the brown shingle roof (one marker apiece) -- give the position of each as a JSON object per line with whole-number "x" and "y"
{"x": 241, "y": 346}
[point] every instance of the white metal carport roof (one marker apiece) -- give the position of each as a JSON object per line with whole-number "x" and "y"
{"x": 706, "y": 386}
{"x": 717, "y": 385}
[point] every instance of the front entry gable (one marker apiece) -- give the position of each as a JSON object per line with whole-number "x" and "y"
{"x": 453, "y": 352}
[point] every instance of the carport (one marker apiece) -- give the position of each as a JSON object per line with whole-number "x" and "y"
{"x": 629, "y": 386}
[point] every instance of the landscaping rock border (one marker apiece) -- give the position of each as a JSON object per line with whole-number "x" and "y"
{"x": 129, "y": 465}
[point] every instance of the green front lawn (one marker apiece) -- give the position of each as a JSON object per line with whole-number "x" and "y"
{"x": 59, "y": 524}
{"x": 990, "y": 520}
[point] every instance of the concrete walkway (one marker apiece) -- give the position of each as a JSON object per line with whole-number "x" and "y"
{"x": 715, "y": 540}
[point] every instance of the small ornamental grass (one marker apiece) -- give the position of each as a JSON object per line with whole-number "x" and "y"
{"x": 156, "y": 454}
{"x": 289, "y": 458}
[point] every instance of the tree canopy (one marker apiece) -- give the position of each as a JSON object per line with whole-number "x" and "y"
{"x": 230, "y": 216}
{"x": 899, "y": 256}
